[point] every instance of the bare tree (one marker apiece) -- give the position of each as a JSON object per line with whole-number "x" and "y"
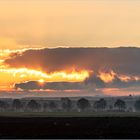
{"x": 17, "y": 105}
{"x": 52, "y": 106}
{"x": 83, "y": 104}
{"x": 33, "y": 106}
{"x": 101, "y": 104}
{"x": 66, "y": 104}
{"x": 45, "y": 106}
{"x": 120, "y": 105}
{"x": 4, "y": 105}
{"x": 137, "y": 105}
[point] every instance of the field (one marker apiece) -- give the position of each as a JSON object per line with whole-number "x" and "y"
{"x": 69, "y": 114}
{"x": 70, "y": 125}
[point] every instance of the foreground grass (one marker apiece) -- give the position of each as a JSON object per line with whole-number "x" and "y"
{"x": 69, "y": 114}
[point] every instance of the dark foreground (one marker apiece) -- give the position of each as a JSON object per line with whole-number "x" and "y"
{"x": 70, "y": 127}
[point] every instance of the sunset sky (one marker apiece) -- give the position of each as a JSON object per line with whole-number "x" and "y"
{"x": 29, "y": 27}
{"x": 79, "y": 23}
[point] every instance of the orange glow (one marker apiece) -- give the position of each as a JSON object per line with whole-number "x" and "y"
{"x": 10, "y": 76}
{"x": 125, "y": 78}
{"x": 107, "y": 77}
{"x": 41, "y": 81}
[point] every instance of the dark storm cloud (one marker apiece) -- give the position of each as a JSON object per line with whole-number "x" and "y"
{"x": 118, "y": 83}
{"x": 34, "y": 85}
{"x": 89, "y": 84}
{"x": 94, "y": 81}
{"x": 121, "y": 60}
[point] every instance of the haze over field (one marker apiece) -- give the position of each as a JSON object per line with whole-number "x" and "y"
{"x": 30, "y": 29}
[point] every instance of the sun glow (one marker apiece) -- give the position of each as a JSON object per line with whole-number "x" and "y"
{"x": 107, "y": 77}
{"x": 41, "y": 81}
{"x": 10, "y": 76}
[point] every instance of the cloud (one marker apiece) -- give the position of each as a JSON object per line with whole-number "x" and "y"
{"x": 95, "y": 81}
{"x": 112, "y": 67}
{"x": 35, "y": 85}
{"x": 90, "y": 84}
{"x": 118, "y": 83}
{"x": 120, "y": 60}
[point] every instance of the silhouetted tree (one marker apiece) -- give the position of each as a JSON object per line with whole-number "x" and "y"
{"x": 120, "y": 105}
{"x": 83, "y": 104}
{"x": 110, "y": 107}
{"x": 52, "y": 105}
{"x": 4, "y": 105}
{"x": 101, "y": 104}
{"x": 66, "y": 104}
{"x": 137, "y": 105}
{"x": 130, "y": 109}
{"x": 45, "y": 106}
{"x": 33, "y": 105}
{"x": 17, "y": 105}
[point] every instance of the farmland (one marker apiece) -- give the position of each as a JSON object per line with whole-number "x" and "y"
{"x": 69, "y": 127}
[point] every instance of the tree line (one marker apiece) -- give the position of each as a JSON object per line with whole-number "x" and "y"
{"x": 66, "y": 104}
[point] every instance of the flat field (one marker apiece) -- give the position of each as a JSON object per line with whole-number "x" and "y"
{"x": 69, "y": 114}
{"x": 70, "y": 125}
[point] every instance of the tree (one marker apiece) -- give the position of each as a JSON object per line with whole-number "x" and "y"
{"x": 17, "y": 105}
{"x": 52, "y": 105}
{"x": 33, "y": 105}
{"x": 120, "y": 105}
{"x": 101, "y": 104}
{"x": 66, "y": 104}
{"x": 137, "y": 105}
{"x": 83, "y": 104}
{"x": 45, "y": 106}
{"x": 3, "y": 105}
{"x": 110, "y": 107}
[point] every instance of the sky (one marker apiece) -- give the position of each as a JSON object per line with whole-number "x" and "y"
{"x": 32, "y": 32}
{"x": 86, "y": 23}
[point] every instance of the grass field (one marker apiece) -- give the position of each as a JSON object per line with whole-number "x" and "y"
{"x": 70, "y": 114}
